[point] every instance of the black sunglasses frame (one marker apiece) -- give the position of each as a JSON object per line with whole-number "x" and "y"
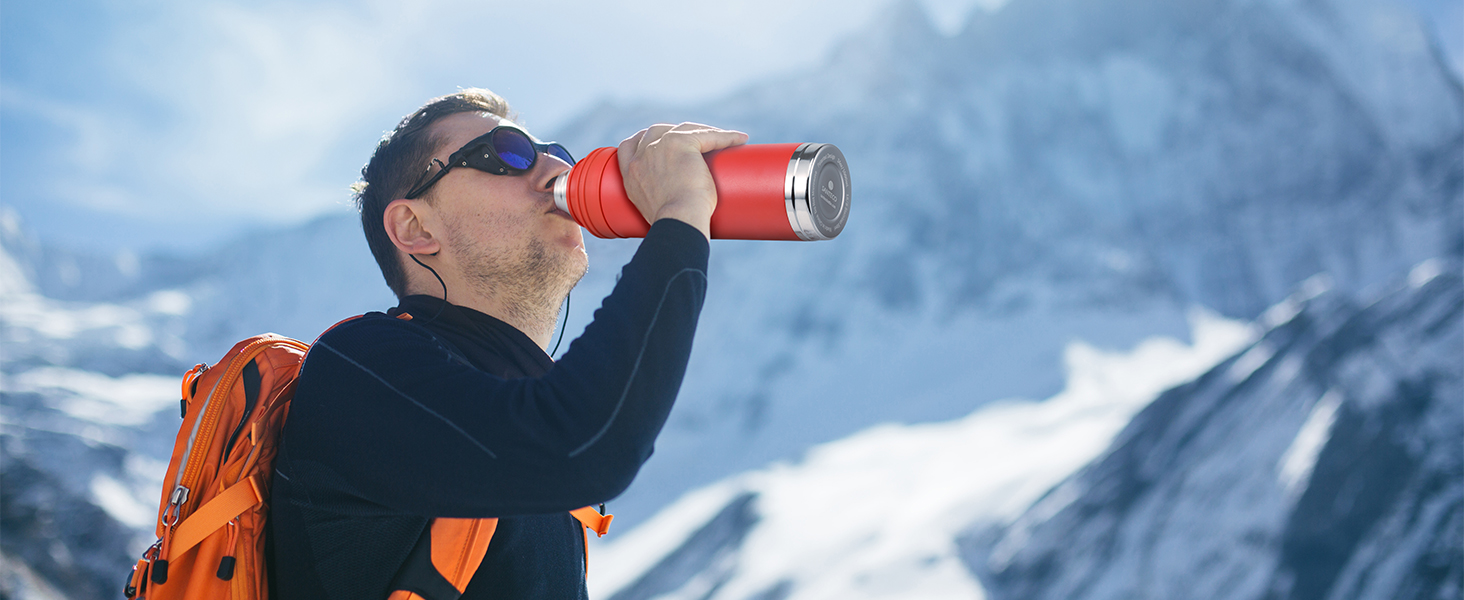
{"x": 481, "y": 154}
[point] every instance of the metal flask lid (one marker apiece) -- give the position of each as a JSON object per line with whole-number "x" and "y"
{"x": 817, "y": 191}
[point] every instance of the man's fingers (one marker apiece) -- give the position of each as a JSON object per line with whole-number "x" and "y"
{"x": 628, "y": 149}
{"x": 676, "y": 138}
{"x": 653, "y": 135}
{"x": 704, "y": 138}
{"x": 716, "y": 139}
{"x": 710, "y": 138}
{"x": 632, "y": 142}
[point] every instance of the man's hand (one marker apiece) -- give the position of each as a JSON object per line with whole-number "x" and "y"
{"x": 666, "y": 176}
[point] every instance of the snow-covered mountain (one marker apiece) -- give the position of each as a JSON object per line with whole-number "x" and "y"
{"x": 1319, "y": 460}
{"x": 87, "y": 414}
{"x": 1324, "y": 461}
{"x": 294, "y": 282}
{"x": 878, "y": 514}
{"x": 91, "y": 351}
{"x": 1061, "y": 170}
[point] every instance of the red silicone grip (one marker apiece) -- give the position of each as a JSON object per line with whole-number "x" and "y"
{"x": 751, "y": 202}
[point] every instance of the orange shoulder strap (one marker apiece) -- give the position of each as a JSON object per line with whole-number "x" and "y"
{"x": 459, "y": 545}
{"x": 447, "y": 564}
{"x": 593, "y": 521}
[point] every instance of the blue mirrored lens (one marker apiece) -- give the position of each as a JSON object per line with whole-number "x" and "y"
{"x": 559, "y": 152}
{"x": 514, "y": 148}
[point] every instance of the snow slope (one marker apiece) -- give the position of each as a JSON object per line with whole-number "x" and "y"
{"x": 1319, "y": 459}
{"x": 1323, "y": 462}
{"x": 88, "y": 410}
{"x": 877, "y": 514}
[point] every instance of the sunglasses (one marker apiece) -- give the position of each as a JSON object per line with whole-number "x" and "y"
{"x": 506, "y": 150}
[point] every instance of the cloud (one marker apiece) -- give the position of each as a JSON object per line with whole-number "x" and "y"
{"x": 265, "y": 111}
{"x": 237, "y": 109}
{"x": 258, "y": 100}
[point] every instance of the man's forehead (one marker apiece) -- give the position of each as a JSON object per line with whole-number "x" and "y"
{"x": 460, "y": 128}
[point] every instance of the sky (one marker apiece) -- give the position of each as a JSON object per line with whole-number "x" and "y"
{"x": 175, "y": 124}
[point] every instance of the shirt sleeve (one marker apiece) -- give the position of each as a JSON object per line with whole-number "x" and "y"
{"x": 400, "y": 422}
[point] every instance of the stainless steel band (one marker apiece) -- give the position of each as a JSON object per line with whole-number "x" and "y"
{"x": 816, "y": 191}
{"x": 561, "y": 192}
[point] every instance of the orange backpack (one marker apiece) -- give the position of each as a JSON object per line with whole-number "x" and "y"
{"x": 213, "y": 516}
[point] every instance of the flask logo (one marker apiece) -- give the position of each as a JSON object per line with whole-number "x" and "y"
{"x": 829, "y": 196}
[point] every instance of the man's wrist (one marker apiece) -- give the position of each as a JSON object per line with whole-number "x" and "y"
{"x": 692, "y": 214}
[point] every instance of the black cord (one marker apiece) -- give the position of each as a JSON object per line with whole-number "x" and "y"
{"x": 439, "y": 280}
{"x": 562, "y": 326}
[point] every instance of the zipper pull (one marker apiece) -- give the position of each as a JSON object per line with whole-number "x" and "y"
{"x": 171, "y": 516}
{"x": 226, "y": 564}
{"x": 160, "y": 563}
{"x": 175, "y": 506}
{"x": 137, "y": 580}
{"x": 190, "y": 381}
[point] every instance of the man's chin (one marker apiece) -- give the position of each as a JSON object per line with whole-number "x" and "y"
{"x": 580, "y": 269}
{"x": 572, "y": 267}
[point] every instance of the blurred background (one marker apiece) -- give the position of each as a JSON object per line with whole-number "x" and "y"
{"x": 1139, "y": 298}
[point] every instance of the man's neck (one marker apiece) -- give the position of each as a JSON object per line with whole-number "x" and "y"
{"x": 528, "y": 300}
{"x": 536, "y": 322}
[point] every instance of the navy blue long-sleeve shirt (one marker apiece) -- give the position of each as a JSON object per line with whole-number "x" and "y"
{"x": 395, "y": 422}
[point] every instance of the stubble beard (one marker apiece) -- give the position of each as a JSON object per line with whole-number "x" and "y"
{"x": 530, "y": 282}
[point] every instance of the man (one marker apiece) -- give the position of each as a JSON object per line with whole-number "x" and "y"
{"x": 447, "y": 407}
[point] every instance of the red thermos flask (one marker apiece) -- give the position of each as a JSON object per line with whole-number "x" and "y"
{"x": 764, "y": 192}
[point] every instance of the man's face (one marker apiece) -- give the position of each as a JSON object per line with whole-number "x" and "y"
{"x": 504, "y": 232}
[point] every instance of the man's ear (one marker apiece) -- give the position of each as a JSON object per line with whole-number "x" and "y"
{"x": 404, "y": 225}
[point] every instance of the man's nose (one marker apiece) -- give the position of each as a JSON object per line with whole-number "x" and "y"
{"x": 547, "y": 168}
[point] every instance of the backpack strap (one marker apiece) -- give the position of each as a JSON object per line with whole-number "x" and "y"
{"x": 443, "y": 562}
{"x": 449, "y": 552}
{"x": 593, "y": 520}
{"x": 214, "y": 515}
